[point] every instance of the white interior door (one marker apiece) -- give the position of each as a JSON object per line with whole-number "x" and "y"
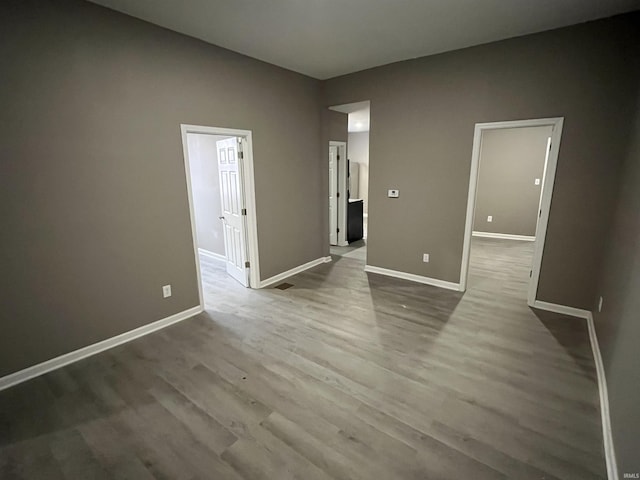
{"x": 232, "y": 202}
{"x": 333, "y": 195}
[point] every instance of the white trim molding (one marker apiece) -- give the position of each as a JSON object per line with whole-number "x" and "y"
{"x": 413, "y": 277}
{"x": 504, "y": 236}
{"x": 342, "y": 189}
{"x": 607, "y": 435}
{"x": 294, "y": 271}
{"x": 84, "y": 352}
{"x": 609, "y": 450}
{"x": 210, "y": 254}
{"x": 563, "y": 309}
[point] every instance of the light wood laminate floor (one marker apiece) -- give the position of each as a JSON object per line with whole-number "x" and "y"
{"x": 344, "y": 375}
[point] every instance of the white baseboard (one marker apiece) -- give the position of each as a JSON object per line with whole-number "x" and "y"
{"x": 84, "y": 352}
{"x": 294, "y": 271}
{"x": 504, "y": 236}
{"x": 210, "y": 254}
{"x": 609, "y": 450}
{"x": 563, "y": 309}
{"x": 413, "y": 277}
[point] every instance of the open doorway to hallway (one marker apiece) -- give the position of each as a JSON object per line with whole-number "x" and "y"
{"x": 219, "y": 174}
{"x": 357, "y": 180}
{"x": 510, "y": 192}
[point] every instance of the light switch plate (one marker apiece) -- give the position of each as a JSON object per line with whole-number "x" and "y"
{"x": 166, "y": 291}
{"x": 537, "y": 181}
{"x": 490, "y": 218}
{"x": 393, "y": 193}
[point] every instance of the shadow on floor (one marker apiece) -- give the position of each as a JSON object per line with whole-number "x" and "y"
{"x": 573, "y": 335}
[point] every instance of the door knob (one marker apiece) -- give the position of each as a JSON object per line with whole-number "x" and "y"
{"x": 221, "y": 218}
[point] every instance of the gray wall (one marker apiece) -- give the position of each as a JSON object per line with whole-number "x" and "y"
{"x": 510, "y": 161}
{"x": 423, "y": 114}
{"x": 93, "y": 196}
{"x": 205, "y": 188}
{"x": 358, "y": 152}
{"x": 335, "y": 127}
{"x": 618, "y": 326}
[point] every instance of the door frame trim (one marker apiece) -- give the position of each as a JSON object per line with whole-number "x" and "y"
{"x": 342, "y": 188}
{"x": 247, "y": 177}
{"x": 545, "y": 203}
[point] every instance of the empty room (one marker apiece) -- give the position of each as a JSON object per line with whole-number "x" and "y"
{"x": 187, "y": 290}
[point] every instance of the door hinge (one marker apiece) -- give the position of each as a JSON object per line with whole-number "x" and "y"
{"x": 539, "y": 213}
{"x": 530, "y": 273}
{"x": 338, "y": 229}
{"x": 244, "y": 211}
{"x": 338, "y": 195}
{"x": 338, "y": 157}
{"x": 247, "y": 264}
{"x": 241, "y": 155}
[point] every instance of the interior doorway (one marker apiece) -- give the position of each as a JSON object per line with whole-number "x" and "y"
{"x": 355, "y": 173}
{"x": 512, "y": 173}
{"x": 220, "y": 185}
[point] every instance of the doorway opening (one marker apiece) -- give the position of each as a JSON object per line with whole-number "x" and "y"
{"x": 353, "y": 177}
{"x": 513, "y": 170}
{"x": 220, "y": 185}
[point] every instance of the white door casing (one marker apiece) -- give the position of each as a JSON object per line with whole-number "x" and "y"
{"x": 342, "y": 187}
{"x": 551, "y": 162}
{"x": 333, "y": 195}
{"x": 248, "y": 188}
{"x": 232, "y": 205}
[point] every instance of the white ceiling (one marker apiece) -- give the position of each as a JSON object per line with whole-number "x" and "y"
{"x": 327, "y": 38}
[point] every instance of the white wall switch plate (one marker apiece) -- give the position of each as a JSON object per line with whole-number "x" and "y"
{"x": 166, "y": 291}
{"x": 490, "y": 218}
{"x": 537, "y": 181}
{"x": 425, "y": 257}
{"x": 393, "y": 193}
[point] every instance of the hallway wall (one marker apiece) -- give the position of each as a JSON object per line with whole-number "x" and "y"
{"x": 618, "y": 325}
